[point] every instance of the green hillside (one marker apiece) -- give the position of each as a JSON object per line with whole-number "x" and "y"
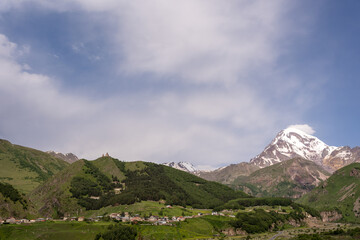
{"x": 341, "y": 192}
{"x": 91, "y": 185}
{"x": 26, "y": 168}
{"x": 291, "y": 178}
{"x": 13, "y": 203}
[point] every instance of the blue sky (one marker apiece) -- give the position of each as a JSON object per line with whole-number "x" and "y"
{"x": 198, "y": 80}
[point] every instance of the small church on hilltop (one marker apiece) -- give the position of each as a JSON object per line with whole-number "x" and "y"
{"x": 105, "y": 155}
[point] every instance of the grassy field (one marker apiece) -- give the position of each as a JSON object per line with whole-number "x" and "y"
{"x": 206, "y": 227}
{"x": 52, "y": 230}
{"x": 196, "y": 228}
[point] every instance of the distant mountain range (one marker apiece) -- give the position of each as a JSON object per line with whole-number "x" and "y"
{"x": 312, "y": 161}
{"x": 288, "y": 144}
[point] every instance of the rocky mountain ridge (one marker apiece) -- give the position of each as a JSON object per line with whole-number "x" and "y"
{"x": 292, "y": 178}
{"x": 228, "y": 174}
{"x": 68, "y": 157}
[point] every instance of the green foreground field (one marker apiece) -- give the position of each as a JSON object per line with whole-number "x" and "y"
{"x": 52, "y": 230}
{"x": 197, "y": 228}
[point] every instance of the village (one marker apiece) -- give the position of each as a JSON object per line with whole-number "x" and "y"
{"x": 125, "y": 217}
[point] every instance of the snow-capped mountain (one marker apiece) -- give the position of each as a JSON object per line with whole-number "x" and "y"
{"x": 291, "y": 143}
{"x": 184, "y": 166}
{"x": 68, "y": 157}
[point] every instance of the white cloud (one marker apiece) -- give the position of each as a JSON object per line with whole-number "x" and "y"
{"x": 213, "y": 50}
{"x": 200, "y": 41}
{"x": 303, "y": 127}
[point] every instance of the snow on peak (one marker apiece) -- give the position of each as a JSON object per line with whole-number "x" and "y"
{"x": 292, "y": 142}
{"x": 184, "y": 166}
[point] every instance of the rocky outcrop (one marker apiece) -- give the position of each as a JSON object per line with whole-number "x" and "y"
{"x": 330, "y": 216}
{"x": 233, "y": 232}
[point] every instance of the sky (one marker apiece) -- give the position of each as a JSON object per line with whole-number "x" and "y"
{"x": 209, "y": 82}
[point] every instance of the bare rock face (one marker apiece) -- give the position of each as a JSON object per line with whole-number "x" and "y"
{"x": 291, "y": 143}
{"x": 356, "y": 208}
{"x": 233, "y": 232}
{"x": 68, "y": 157}
{"x": 355, "y": 173}
{"x": 330, "y": 216}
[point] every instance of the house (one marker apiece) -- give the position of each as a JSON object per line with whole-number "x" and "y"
{"x": 181, "y": 219}
{"x": 168, "y": 206}
{"x": 117, "y": 190}
{"x": 95, "y": 197}
{"x": 81, "y": 219}
{"x": 161, "y": 222}
{"x": 136, "y": 219}
{"x": 214, "y": 213}
{"x": 24, "y": 221}
{"x": 11, "y": 220}
{"x": 152, "y": 219}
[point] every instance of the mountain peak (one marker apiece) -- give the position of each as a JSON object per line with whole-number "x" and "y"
{"x": 184, "y": 166}
{"x": 290, "y": 143}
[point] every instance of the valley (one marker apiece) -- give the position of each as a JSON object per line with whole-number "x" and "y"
{"x": 293, "y": 198}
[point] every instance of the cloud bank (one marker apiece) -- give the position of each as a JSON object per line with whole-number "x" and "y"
{"x": 216, "y": 65}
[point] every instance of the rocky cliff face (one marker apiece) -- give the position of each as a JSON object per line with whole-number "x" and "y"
{"x": 330, "y": 216}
